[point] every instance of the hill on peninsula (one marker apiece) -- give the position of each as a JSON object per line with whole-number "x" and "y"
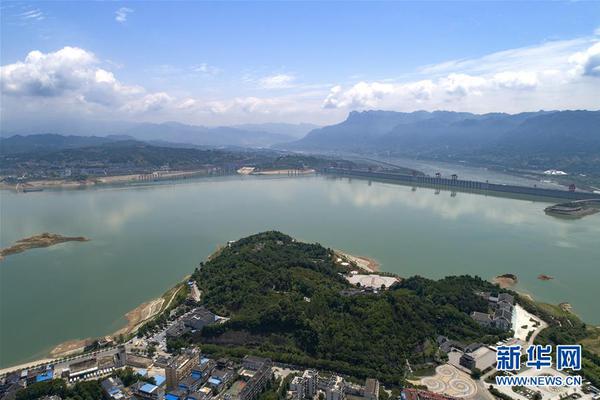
{"x": 289, "y": 300}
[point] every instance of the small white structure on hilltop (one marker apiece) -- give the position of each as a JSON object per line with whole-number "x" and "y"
{"x": 555, "y": 172}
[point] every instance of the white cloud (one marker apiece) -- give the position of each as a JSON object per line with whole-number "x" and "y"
{"x": 206, "y": 69}
{"x": 278, "y": 81}
{"x": 516, "y": 80}
{"x": 121, "y": 14}
{"x": 462, "y": 84}
{"x": 32, "y": 15}
{"x": 361, "y": 95}
{"x": 48, "y": 74}
{"x": 187, "y": 104}
{"x": 552, "y": 75}
{"x": 587, "y": 62}
{"x": 72, "y": 75}
{"x": 149, "y": 102}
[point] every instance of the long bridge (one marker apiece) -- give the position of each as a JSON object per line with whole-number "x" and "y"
{"x": 464, "y": 185}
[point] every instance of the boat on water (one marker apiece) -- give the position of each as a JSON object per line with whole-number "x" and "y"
{"x": 29, "y": 190}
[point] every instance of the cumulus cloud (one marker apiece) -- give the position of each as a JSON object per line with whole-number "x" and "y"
{"x": 50, "y": 74}
{"x": 361, "y": 95}
{"x": 149, "y": 102}
{"x": 73, "y": 75}
{"x": 278, "y": 81}
{"x": 121, "y": 14}
{"x": 74, "y": 82}
{"x": 540, "y": 76}
{"x": 553, "y": 75}
{"x": 587, "y": 62}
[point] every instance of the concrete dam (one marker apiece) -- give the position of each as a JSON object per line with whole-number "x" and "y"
{"x": 463, "y": 185}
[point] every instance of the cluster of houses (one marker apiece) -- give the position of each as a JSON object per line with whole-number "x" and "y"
{"x": 191, "y": 376}
{"x": 309, "y": 385}
{"x": 186, "y": 376}
{"x": 501, "y": 317}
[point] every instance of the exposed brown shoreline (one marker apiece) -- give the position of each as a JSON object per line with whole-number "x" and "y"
{"x": 38, "y": 241}
{"x": 364, "y": 263}
{"x": 506, "y": 280}
{"x": 135, "y": 319}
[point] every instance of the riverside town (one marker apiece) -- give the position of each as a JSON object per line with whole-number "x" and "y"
{"x": 299, "y": 200}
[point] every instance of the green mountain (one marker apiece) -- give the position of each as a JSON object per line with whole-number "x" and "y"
{"x": 538, "y": 140}
{"x": 288, "y": 300}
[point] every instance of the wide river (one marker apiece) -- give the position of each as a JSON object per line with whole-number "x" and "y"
{"x": 144, "y": 239}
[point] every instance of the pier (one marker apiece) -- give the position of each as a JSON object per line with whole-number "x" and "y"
{"x": 454, "y": 183}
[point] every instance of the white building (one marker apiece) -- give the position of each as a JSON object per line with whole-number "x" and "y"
{"x": 335, "y": 389}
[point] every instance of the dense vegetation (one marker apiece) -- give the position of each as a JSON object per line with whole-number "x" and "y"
{"x": 284, "y": 300}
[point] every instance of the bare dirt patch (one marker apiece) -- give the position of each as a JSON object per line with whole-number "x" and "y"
{"x": 37, "y": 241}
{"x": 506, "y": 280}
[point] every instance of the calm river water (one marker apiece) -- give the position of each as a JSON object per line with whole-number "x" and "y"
{"x": 144, "y": 239}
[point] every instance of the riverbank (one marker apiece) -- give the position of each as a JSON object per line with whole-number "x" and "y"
{"x": 285, "y": 172}
{"x": 39, "y": 241}
{"x": 135, "y": 319}
{"x": 366, "y": 264}
{"x": 103, "y": 180}
{"x": 505, "y": 280}
{"x": 150, "y": 309}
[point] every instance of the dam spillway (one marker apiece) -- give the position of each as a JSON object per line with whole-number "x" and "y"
{"x": 463, "y": 185}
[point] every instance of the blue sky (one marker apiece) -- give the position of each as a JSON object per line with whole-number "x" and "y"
{"x": 220, "y": 63}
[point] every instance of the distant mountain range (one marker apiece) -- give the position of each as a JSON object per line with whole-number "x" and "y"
{"x": 293, "y": 130}
{"x": 49, "y": 142}
{"x": 544, "y": 139}
{"x": 250, "y": 135}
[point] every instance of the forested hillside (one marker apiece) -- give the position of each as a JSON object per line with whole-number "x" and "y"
{"x": 285, "y": 300}
{"x": 568, "y": 140}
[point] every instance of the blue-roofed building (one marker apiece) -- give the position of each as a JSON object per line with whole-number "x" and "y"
{"x": 148, "y": 388}
{"x": 113, "y": 388}
{"x": 159, "y": 380}
{"x": 214, "y": 381}
{"x": 45, "y": 376}
{"x": 144, "y": 390}
{"x": 196, "y": 374}
{"x": 190, "y": 383}
{"x": 172, "y": 396}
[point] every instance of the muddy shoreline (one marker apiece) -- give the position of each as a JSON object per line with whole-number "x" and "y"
{"x": 135, "y": 319}
{"x": 506, "y": 280}
{"x": 39, "y": 241}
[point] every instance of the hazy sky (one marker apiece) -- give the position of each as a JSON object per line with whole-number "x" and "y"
{"x": 232, "y": 62}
